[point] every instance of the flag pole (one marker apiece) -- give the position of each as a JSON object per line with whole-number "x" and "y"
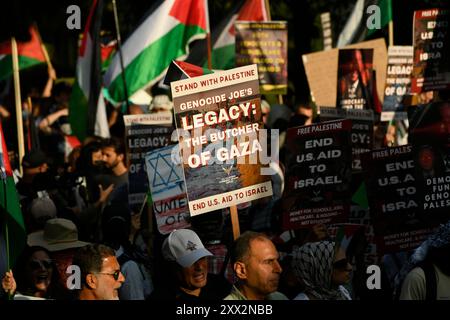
{"x": 44, "y": 49}
{"x": 208, "y": 36}
{"x": 391, "y": 33}
{"x": 208, "y": 44}
{"x": 269, "y": 18}
{"x": 30, "y": 108}
{"x": 5, "y": 216}
{"x": 20, "y": 138}
{"x": 235, "y": 222}
{"x": 119, "y": 46}
{"x": 391, "y": 23}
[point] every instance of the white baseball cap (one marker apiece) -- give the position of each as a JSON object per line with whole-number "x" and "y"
{"x": 185, "y": 247}
{"x": 161, "y": 101}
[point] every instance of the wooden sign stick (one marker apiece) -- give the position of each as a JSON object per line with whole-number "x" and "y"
{"x": 235, "y": 222}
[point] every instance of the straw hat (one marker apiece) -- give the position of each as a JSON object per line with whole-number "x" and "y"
{"x": 58, "y": 234}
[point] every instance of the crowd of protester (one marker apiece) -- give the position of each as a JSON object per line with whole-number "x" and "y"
{"x": 76, "y": 213}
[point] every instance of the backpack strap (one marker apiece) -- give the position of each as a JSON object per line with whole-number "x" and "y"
{"x": 430, "y": 280}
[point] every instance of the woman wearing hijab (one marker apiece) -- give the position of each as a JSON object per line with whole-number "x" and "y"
{"x": 322, "y": 272}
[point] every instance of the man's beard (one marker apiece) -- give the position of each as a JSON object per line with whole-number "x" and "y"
{"x": 113, "y": 165}
{"x": 99, "y": 167}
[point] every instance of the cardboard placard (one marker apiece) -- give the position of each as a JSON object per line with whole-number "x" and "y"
{"x": 322, "y": 69}
{"x": 218, "y": 117}
{"x": 362, "y": 130}
{"x": 394, "y": 199}
{"x": 431, "y": 51}
{"x": 168, "y": 190}
{"x": 397, "y": 93}
{"x": 318, "y": 174}
{"x": 144, "y": 132}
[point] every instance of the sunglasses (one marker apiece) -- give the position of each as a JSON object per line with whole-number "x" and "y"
{"x": 41, "y": 264}
{"x": 115, "y": 274}
{"x": 341, "y": 264}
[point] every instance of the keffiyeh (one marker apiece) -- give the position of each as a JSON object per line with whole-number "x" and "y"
{"x": 313, "y": 264}
{"x": 438, "y": 239}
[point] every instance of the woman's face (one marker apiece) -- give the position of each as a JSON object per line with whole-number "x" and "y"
{"x": 97, "y": 156}
{"x": 40, "y": 270}
{"x": 341, "y": 269}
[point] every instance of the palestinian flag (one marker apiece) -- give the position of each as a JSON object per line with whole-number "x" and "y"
{"x": 70, "y": 143}
{"x": 30, "y": 54}
{"x": 179, "y": 70}
{"x": 223, "y": 36}
{"x": 164, "y": 35}
{"x": 107, "y": 52}
{"x": 12, "y": 232}
{"x": 86, "y": 106}
{"x": 356, "y": 30}
{"x": 223, "y": 50}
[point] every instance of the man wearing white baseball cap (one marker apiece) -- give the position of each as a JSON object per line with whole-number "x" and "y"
{"x": 187, "y": 259}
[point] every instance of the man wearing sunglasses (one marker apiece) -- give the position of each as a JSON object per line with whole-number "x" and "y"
{"x": 100, "y": 273}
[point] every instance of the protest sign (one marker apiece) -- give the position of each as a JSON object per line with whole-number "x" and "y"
{"x": 394, "y": 199}
{"x": 431, "y": 50}
{"x": 355, "y": 79}
{"x": 361, "y": 133}
{"x": 430, "y": 136}
{"x": 397, "y": 93}
{"x": 144, "y": 132}
{"x": 325, "y": 21}
{"x": 218, "y": 117}
{"x": 264, "y": 43}
{"x": 318, "y": 174}
{"x": 167, "y": 187}
{"x": 322, "y": 69}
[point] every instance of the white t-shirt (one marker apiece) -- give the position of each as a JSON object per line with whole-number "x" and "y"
{"x": 414, "y": 286}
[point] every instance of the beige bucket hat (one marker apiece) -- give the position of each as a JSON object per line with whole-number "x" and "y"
{"x": 58, "y": 234}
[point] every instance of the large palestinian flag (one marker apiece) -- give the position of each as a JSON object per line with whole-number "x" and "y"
{"x": 12, "y": 231}
{"x": 223, "y": 36}
{"x": 29, "y": 53}
{"x": 356, "y": 29}
{"x": 87, "y": 114}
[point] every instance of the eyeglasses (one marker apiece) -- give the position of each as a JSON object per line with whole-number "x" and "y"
{"x": 341, "y": 264}
{"x": 41, "y": 264}
{"x": 115, "y": 274}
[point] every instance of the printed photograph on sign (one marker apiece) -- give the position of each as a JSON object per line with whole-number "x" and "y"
{"x": 355, "y": 79}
